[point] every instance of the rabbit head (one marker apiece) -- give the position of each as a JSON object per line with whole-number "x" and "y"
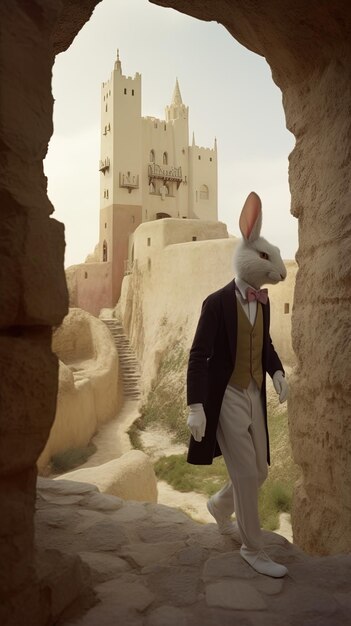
{"x": 256, "y": 260}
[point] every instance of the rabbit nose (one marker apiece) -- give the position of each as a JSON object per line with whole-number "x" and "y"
{"x": 283, "y": 276}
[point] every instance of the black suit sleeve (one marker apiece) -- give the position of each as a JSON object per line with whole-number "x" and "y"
{"x": 201, "y": 350}
{"x": 273, "y": 363}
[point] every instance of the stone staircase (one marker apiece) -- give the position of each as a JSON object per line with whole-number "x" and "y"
{"x": 128, "y": 364}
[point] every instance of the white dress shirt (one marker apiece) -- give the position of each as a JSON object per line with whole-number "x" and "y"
{"x": 250, "y": 308}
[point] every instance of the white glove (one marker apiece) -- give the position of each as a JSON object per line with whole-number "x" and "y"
{"x": 197, "y": 421}
{"x": 280, "y": 385}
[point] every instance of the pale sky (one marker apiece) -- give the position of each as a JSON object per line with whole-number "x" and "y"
{"x": 230, "y": 94}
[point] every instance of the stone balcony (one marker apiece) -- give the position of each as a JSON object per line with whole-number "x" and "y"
{"x": 165, "y": 172}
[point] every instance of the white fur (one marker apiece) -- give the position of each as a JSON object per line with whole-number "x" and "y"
{"x": 248, "y": 264}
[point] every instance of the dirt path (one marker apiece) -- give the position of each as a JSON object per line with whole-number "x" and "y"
{"x": 112, "y": 440}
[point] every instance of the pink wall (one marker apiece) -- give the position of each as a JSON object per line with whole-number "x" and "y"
{"x": 94, "y": 287}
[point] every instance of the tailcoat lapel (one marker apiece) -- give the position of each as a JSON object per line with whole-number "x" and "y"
{"x": 230, "y": 316}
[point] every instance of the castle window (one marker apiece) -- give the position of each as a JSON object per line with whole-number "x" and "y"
{"x": 203, "y": 192}
{"x": 110, "y": 92}
{"x": 132, "y": 92}
{"x": 149, "y": 241}
{"x": 155, "y": 124}
{"x": 286, "y": 307}
{"x": 149, "y": 264}
{"x": 152, "y": 156}
{"x": 125, "y": 91}
{"x": 104, "y": 251}
{"x": 194, "y": 238}
{"x": 106, "y": 108}
{"x": 85, "y": 274}
{"x": 199, "y": 157}
{"x": 152, "y": 188}
{"x": 165, "y": 158}
{"x": 210, "y": 158}
{"x": 133, "y": 219}
{"x": 105, "y": 224}
{"x": 165, "y": 127}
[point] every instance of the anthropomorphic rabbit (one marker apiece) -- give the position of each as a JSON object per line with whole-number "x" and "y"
{"x": 226, "y": 389}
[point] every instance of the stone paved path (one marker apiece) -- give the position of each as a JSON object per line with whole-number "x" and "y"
{"x": 140, "y": 564}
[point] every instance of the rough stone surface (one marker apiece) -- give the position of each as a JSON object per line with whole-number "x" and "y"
{"x": 233, "y": 594}
{"x": 88, "y": 392}
{"x": 307, "y": 46}
{"x": 135, "y": 581}
{"x": 33, "y": 295}
{"x": 131, "y": 477}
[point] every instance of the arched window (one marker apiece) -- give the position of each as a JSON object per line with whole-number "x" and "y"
{"x": 152, "y": 156}
{"x": 165, "y": 158}
{"x": 152, "y": 188}
{"x": 104, "y": 251}
{"x": 161, "y": 216}
{"x": 203, "y": 192}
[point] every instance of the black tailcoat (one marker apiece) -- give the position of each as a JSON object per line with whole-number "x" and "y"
{"x": 211, "y": 363}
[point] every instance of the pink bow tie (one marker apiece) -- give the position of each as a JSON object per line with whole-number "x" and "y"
{"x": 261, "y": 295}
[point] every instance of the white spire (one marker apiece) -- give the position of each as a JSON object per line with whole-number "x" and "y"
{"x": 193, "y": 138}
{"x": 177, "y": 98}
{"x": 118, "y": 65}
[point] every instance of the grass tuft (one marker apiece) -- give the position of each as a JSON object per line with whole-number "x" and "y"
{"x": 166, "y": 402}
{"x": 71, "y": 458}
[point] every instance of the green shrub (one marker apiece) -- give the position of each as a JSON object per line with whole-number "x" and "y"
{"x": 274, "y": 497}
{"x": 184, "y": 477}
{"x": 71, "y": 458}
{"x": 166, "y": 402}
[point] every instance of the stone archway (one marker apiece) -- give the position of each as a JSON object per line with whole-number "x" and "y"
{"x": 307, "y": 46}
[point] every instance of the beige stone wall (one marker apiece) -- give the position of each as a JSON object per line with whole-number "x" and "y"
{"x": 281, "y": 300}
{"x": 130, "y": 477}
{"x": 87, "y": 393}
{"x": 151, "y": 238}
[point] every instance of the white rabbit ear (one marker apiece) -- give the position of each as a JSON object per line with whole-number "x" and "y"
{"x": 250, "y": 221}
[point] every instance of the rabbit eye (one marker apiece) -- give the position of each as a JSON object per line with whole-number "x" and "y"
{"x": 264, "y": 255}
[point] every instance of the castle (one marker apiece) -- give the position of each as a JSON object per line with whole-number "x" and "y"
{"x": 148, "y": 172}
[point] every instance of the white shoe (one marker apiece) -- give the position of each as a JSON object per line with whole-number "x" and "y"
{"x": 225, "y": 525}
{"x": 262, "y": 563}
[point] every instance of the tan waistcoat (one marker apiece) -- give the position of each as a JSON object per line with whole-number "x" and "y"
{"x": 248, "y": 363}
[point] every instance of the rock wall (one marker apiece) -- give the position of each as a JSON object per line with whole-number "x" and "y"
{"x": 308, "y": 48}
{"x": 88, "y": 375}
{"x": 32, "y": 286}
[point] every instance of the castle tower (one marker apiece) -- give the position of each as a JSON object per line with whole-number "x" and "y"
{"x": 120, "y": 167}
{"x": 203, "y": 176}
{"x": 148, "y": 171}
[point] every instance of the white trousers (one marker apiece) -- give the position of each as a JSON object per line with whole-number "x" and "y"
{"x": 241, "y": 435}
